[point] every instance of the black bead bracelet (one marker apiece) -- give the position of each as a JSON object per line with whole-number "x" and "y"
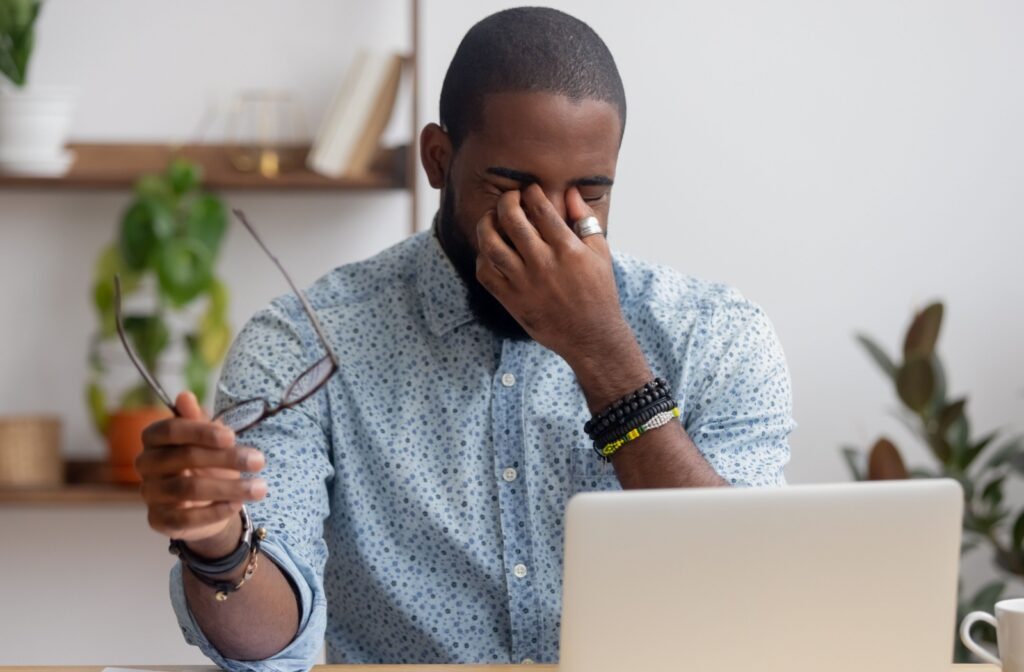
{"x": 615, "y": 415}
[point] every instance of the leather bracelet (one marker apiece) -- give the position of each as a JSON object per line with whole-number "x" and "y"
{"x": 216, "y": 566}
{"x": 224, "y": 588}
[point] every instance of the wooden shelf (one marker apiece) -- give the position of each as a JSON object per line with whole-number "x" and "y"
{"x": 86, "y": 482}
{"x": 71, "y": 495}
{"x": 117, "y": 166}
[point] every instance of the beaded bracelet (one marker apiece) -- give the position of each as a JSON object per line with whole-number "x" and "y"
{"x": 658, "y": 420}
{"x": 634, "y": 420}
{"x": 614, "y": 416}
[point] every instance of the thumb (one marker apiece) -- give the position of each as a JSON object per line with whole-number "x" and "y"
{"x": 189, "y": 407}
{"x": 576, "y": 209}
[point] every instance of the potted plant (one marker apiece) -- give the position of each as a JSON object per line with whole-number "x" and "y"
{"x": 34, "y": 120}
{"x": 165, "y": 254}
{"x": 983, "y": 465}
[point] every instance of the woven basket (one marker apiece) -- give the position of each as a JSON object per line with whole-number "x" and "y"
{"x": 30, "y": 451}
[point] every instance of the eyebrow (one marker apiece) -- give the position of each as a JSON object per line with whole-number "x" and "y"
{"x": 526, "y": 179}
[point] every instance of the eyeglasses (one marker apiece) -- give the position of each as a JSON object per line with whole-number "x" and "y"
{"x": 246, "y": 413}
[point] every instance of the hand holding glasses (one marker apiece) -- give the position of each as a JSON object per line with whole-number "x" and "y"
{"x": 190, "y": 467}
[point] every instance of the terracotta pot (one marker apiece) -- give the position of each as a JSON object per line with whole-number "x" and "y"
{"x": 124, "y": 437}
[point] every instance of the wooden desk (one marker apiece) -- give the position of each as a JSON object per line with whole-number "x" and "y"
{"x": 390, "y": 668}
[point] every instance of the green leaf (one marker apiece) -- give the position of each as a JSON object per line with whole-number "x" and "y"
{"x": 1018, "y": 532}
{"x": 144, "y": 225}
{"x": 219, "y": 297}
{"x": 950, "y": 414}
{"x": 206, "y": 222}
{"x": 103, "y": 299}
{"x": 1006, "y": 453}
{"x": 938, "y": 400}
{"x": 149, "y": 336}
{"x": 993, "y": 492}
{"x": 915, "y": 383}
{"x": 877, "y": 354}
{"x": 183, "y": 175}
{"x": 155, "y": 188}
{"x": 976, "y": 450}
{"x": 950, "y": 430}
{"x": 213, "y": 340}
{"x": 923, "y": 333}
{"x": 854, "y": 460}
{"x": 986, "y": 597}
{"x": 17, "y": 37}
{"x": 97, "y": 402}
{"x": 184, "y": 268}
{"x": 197, "y": 373}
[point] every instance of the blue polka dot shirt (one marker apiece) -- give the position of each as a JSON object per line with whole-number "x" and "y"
{"x": 417, "y": 501}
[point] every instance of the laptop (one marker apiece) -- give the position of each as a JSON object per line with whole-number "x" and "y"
{"x": 844, "y": 578}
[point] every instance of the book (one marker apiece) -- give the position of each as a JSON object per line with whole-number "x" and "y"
{"x": 350, "y": 132}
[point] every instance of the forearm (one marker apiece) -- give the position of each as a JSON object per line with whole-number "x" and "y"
{"x": 661, "y": 458}
{"x": 255, "y": 622}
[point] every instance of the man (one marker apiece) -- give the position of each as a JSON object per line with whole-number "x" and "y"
{"x": 414, "y": 506}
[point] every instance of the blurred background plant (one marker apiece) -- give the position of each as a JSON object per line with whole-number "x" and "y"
{"x": 17, "y": 37}
{"x": 172, "y": 232}
{"x": 984, "y": 465}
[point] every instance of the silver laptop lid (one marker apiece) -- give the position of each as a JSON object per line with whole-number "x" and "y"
{"x": 844, "y": 578}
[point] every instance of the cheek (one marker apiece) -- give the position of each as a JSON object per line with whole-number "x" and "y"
{"x": 469, "y": 210}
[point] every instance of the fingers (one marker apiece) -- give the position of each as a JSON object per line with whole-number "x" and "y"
{"x": 189, "y": 407}
{"x": 512, "y": 220}
{"x": 576, "y": 208}
{"x": 548, "y": 222}
{"x": 493, "y": 249}
{"x": 167, "y": 461}
{"x": 181, "y": 489}
{"x": 174, "y": 521}
{"x": 179, "y": 431}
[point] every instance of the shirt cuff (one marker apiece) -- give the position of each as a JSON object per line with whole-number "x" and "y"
{"x": 302, "y": 652}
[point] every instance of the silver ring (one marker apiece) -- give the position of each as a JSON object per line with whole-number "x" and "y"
{"x": 587, "y": 226}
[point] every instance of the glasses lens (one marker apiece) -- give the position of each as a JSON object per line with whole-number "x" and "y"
{"x": 243, "y": 415}
{"x": 308, "y": 382}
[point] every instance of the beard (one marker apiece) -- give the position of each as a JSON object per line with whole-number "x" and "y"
{"x": 487, "y": 309}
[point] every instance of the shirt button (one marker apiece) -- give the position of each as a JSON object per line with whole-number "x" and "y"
{"x": 509, "y": 474}
{"x": 508, "y": 379}
{"x": 519, "y": 571}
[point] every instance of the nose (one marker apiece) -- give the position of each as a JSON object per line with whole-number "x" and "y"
{"x": 557, "y": 199}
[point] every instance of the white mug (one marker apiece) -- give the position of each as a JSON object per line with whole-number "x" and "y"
{"x": 1009, "y": 625}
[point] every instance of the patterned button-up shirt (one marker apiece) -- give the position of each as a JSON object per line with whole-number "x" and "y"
{"x": 417, "y": 501}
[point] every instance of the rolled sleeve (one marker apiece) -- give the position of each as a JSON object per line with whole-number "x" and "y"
{"x": 742, "y": 415}
{"x": 270, "y": 351}
{"x": 302, "y": 652}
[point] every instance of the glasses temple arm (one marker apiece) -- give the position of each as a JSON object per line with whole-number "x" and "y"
{"x": 143, "y": 371}
{"x": 302, "y": 298}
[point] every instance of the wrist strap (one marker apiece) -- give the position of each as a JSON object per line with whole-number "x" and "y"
{"x": 216, "y": 566}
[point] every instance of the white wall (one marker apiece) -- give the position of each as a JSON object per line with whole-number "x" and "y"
{"x": 840, "y": 163}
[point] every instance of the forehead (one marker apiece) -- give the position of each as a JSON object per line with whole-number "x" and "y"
{"x": 545, "y": 134}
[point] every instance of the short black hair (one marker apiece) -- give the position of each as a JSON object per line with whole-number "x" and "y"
{"x": 527, "y": 49}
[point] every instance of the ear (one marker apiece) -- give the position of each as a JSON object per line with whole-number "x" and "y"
{"x": 435, "y": 154}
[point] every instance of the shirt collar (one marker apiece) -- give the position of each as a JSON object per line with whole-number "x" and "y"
{"x": 443, "y": 294}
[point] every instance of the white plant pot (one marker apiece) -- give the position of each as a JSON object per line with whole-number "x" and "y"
{"x": 34, "y": 124}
